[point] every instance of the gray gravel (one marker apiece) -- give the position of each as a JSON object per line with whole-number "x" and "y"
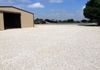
{"x": 50, "y": 47}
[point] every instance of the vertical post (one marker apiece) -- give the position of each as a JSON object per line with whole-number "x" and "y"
{"x": 1, "y": 21}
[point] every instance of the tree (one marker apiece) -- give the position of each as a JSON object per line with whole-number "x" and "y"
{"x": 92, "y": 10}
{"x": 70, "y": 21}
{"x": 51, "y": 20}
{"x": 84, "y": 21}
{"x": 47, "y": 20}
{"x": 39, "y": 21}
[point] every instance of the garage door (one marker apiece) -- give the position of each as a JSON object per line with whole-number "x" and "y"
{"x": 12, "y": 20}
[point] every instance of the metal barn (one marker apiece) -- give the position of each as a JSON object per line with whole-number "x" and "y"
{"x": 13, "y": 17}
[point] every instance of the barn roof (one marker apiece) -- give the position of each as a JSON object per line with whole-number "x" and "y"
{"x": 16, "y": 8}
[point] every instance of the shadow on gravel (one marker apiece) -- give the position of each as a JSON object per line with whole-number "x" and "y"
{"x": 88, "y": 25}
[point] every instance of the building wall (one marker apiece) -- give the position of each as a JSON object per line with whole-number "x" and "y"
{"x": 27, "y": 19}
{"x": 1, "y": 21}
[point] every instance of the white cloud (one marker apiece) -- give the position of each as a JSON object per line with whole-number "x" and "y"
{"x": 83, "y": 7}
{"x": 36, "y": 5}
{"x": 56, "y": 1}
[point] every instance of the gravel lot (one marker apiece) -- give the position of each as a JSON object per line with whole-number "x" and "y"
{"x": 50, "y": 47}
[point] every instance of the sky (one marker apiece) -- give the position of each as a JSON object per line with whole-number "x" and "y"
{"x": 50, "y": 9}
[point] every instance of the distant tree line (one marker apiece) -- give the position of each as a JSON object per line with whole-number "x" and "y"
{"x": 44, "y": 21}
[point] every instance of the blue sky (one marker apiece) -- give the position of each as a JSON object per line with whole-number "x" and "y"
{"x": 52, "y": 9}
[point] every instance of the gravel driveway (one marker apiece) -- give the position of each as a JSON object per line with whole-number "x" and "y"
{"x": 50, "y": 47}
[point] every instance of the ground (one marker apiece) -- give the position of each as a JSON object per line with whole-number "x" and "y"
{"x": 50, "y": 47}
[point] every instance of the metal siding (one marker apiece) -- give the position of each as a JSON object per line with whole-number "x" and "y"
{"x": 27, "y": 20}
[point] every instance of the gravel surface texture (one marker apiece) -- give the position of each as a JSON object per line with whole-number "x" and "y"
{"x": 50, "y": 47}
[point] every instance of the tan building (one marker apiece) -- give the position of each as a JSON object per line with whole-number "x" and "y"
{"x": 12, "y": 17}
